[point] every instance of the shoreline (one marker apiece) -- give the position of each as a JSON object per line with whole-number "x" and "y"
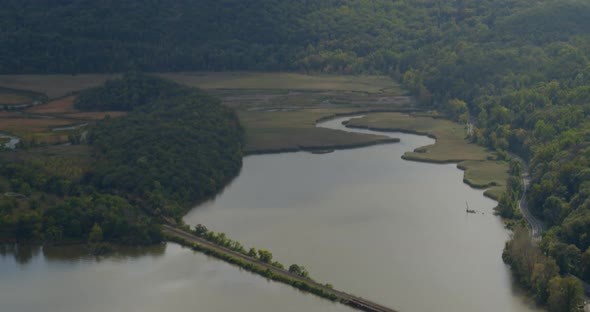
{"x": 406, "y": 157}
{"x": 270, "y": 271}
{"x": 330, "y": 148}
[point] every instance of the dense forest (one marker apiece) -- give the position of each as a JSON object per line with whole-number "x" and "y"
{"x": 346, "y": 36}
{"x": 519, "y": 70}
{"x": 177, "y": 146}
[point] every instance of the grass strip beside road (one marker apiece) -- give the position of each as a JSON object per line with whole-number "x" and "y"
{"x": 482, "y": 170}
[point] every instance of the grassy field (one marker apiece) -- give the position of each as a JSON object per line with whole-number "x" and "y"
{"x": 16, "y": 97}
{"x": 59, "y": 113}
{"x": 284, "y": 81}
{"x": 287, "y": 131}
{"x": 279, "y": 110}
{"x": 36, "y": 130}
{"x": 450, "y": 147}
{"x": 55, "y": 86}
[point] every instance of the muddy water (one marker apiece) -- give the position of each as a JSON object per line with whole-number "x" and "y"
{"x": 373, "y": 224}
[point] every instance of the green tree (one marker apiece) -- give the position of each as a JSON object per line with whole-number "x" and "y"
{"x": 265, "y": 256}
{"x": 96, "y": 234}
{"x": 298, "y": 270}
{"x": 543, "y": 272}
{"x": 252, "y": 253}
{"x": 565, "y": 294}
{"x": 585, "y": 265}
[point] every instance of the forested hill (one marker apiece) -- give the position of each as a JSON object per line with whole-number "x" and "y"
{"x": 73, "y": 36}
{"x": 175, "y": 147}
{"x": 178, "y": 145}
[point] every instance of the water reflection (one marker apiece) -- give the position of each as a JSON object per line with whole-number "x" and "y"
{"x": 373, "y": 224}
{"x": 23, "y": 253}
{"x": 153, "y": 279}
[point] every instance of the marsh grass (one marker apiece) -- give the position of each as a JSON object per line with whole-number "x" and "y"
{"x": 481, "y": 168}
{"x": 296, "y": 130}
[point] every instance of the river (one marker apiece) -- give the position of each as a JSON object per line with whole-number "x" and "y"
{"x": 363, "y": 220}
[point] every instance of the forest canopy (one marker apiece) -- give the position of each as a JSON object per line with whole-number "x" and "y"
{"x": 176, "y": 147}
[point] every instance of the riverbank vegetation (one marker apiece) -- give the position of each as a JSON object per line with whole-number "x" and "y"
{"x": 518, "y": 69}
{"x": 483, "y": 168}
{"x": 278, "y": 274}
{"x": 263, "y": 255}
{"x": 176, "y": 146}
{"x": 540, "y": 274}
{"x": 296, "y": 130}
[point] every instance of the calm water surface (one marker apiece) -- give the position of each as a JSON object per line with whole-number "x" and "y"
{"x": 162, "y": 278}
{"x": 372, "y": 224}
{"x": 364, "y": 220}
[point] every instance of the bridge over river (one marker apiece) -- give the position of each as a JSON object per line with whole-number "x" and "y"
{"x": 343, "y": 297}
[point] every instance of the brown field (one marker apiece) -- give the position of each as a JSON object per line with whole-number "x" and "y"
{"x": 65, "y": 108}
{"x": 61, "y": 106}
{"x": 95, "y": 115}
{"x": 13, "y": 98}
{"x": 29, "y": 125}
{"x": 47, "y": 137}
{"x": 8, "y": 115}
